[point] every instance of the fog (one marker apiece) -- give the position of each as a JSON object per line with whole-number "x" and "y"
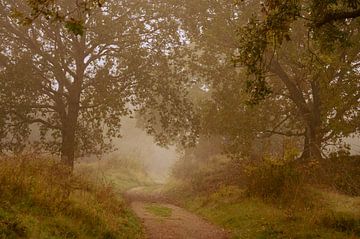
{"x": 136, "y": 143}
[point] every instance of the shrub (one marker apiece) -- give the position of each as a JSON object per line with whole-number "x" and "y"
{"x": 274, "y": 180}
{"x": 281, "y": 179}
{"x": 342, "y": 174}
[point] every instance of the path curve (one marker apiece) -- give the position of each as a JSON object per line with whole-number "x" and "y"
{"x": 181, "y": 224}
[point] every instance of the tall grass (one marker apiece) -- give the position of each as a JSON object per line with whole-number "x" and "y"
{"x": 38, "y": 199}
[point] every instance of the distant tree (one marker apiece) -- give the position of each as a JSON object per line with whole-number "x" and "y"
{"x": 77, "y": 87}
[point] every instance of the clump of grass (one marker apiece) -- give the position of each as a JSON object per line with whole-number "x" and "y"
{"x": 340, "y": 221}
{"x": 39, "y": 199}
{"x": 159, "y": 210}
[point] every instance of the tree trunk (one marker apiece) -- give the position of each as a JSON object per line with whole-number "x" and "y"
{"x": 68, "y": 148}
{"x": 313, "y": 137}
{"x": 310, "y": 111}
{"x": 312, "y": 143}
{"x": 69, "y": 130}
{"x": 68, "y": 138}
{"x": 71, "y": 119}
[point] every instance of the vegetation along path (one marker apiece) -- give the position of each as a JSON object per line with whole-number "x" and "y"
{"x": 163, "y": 220}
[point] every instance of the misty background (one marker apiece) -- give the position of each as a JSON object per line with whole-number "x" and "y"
{"x": 136, "y": 143}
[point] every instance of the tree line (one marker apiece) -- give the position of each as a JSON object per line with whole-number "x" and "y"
{"x": 239, "y": 72}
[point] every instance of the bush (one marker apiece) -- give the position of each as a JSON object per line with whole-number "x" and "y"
{"x": 274, "y": 180}
{"x": 286, "y": 180}
{"x": 342, "y": 174}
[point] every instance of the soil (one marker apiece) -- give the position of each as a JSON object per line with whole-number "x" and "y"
{"x": 181, "y": 224}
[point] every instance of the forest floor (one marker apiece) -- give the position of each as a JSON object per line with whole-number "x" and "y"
{"x": 164, "y": 220}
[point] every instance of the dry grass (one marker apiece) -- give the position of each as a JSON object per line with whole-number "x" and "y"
{"x": 38, "y": 199}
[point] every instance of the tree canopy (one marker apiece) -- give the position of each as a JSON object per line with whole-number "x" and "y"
{"x": 251, "y": 69}
{"x": 289, "y": 72}
{"x": 77, "y": 87}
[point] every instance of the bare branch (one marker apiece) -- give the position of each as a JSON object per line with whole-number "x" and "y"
{"x": 336, "y": 16}
{"x": 288, "y": 134}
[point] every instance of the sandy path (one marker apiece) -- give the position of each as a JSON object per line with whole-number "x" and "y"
{"x": 181, "y": 224}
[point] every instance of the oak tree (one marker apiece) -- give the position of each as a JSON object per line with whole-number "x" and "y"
{"x": 77, "y": 87}
{"x": 312, "y": 49}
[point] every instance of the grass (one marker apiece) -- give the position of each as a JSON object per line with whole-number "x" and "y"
{"x": 38, "y": 200}
{"x": 76, "y": 222}
{"x": 273, "y": 197}
{"x": 334, "y": 217}
{"x": 158, "y": 210}
{"x": 123, "y": 172}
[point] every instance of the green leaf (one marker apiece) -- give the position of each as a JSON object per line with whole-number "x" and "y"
{"x": 75, "y": 27}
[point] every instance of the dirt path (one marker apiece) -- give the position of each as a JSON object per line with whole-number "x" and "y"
{"x": 164, "y": 221}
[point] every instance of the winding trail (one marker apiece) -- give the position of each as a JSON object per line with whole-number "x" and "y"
{"x": 179, "y": 224}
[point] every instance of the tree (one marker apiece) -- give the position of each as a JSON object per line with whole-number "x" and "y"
{"x": 77, "y": 87}
{"x": 299, "y": 43}
{"x": 294, "y": 95}
{"x": 219, "y": 93}
{"x": 54, "y": 11}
